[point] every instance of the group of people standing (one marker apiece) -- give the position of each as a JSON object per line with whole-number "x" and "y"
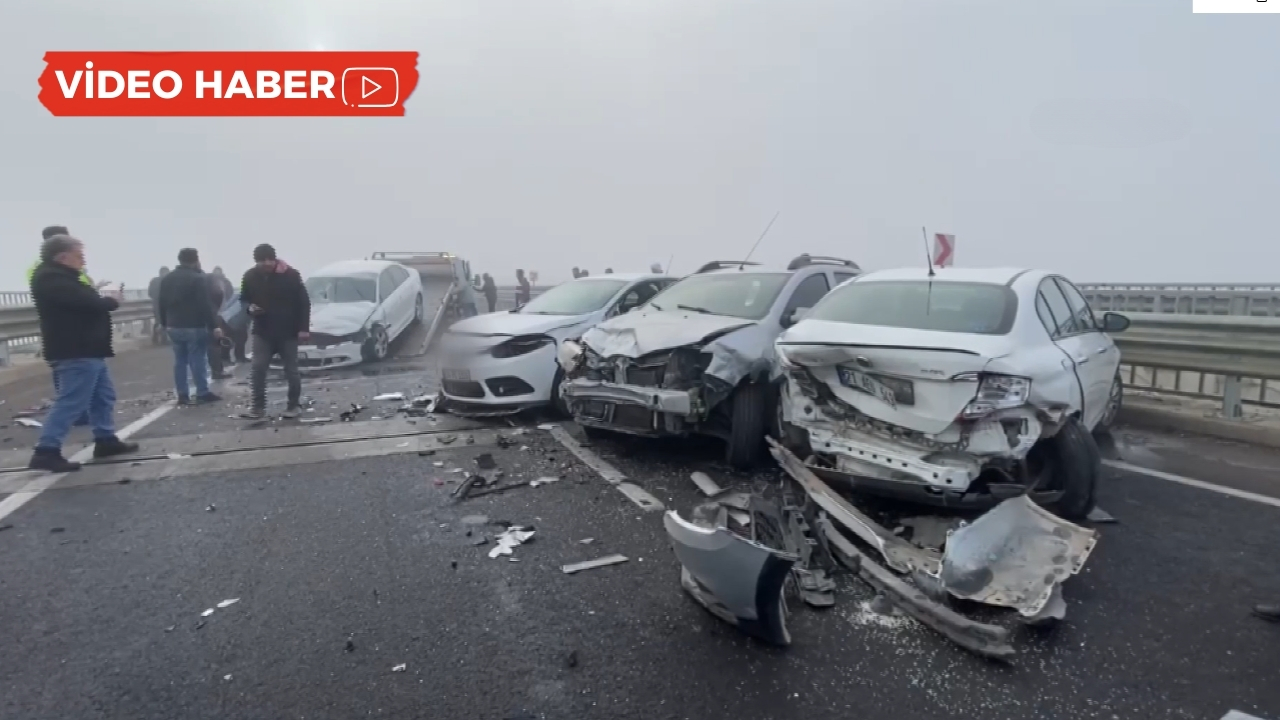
{"x": 485, "y": 285}
{"x": 77, "y": 335}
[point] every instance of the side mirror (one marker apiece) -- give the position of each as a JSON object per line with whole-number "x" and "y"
{"x": 1114, "y": 323}
{"x": 796, "y": 316}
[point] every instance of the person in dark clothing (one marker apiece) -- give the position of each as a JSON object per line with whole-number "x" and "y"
{"x": 218, "y": 337}
{"x": 524, "y": 293}
{"x": 153, "y": 293}
{"x": 576, "y": 273}
{"x": 186, "y": 312}
{"x": 608, "y": 271}
{"x": 45, "y": 234}
{"x": 490, "y": 289}
{"x": 276, "y": 298}
{"x": 76, "y": 333}
{"x": 235, "y": 350}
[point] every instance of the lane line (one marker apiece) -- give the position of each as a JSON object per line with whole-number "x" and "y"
{"x": 1192, "y": 482}
{"x": 611, "y": 474}
{"x": 1237, "y": 715}
{"x": 40, "y": 484}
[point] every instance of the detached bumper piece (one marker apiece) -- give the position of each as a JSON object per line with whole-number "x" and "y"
{"x": 735, "y": 579}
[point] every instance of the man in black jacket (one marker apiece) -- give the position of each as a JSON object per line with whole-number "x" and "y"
{"x": 76, "y": 333}
{"x": 490, "y": 289}
{"x": 276, "y": 298}
{"x": 187, "y": 315}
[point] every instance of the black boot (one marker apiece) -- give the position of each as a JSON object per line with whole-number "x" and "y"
{"x": 113, "y": 447}
{"x": 51, "y": 461}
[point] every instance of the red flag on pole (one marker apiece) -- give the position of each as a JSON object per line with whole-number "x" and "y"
{"x": 944, "y": 250}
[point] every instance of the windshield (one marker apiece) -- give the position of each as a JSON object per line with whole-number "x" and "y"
{"x": 576, "y": 297}
{"x": 741, "y": 295}
{"x": 359, "y": 288}
{"x": 959, "y": 307}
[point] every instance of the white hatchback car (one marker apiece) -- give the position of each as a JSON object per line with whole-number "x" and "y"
{"x": 358, "y": 308}
{"x": 959, "y": 389}
{"x": 503, "y": 362}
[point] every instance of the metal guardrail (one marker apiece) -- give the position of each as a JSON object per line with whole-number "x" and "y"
{"x": 1249, "y": 300}
{"x": 20, "y": 325}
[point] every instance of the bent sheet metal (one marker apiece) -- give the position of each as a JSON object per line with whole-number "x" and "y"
{"x": 1014, "y": 556}
{"x": 737, "y": 580}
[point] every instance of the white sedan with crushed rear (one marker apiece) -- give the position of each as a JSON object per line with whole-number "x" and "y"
{"x": 959, "y": 387}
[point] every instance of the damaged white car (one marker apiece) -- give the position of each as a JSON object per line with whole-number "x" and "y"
{"x": 957, "y": 388}
{"x": 358, "y": 308}
{"x": 699, "y": 357}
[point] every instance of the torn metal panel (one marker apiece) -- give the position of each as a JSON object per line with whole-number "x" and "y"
{"x": 1014, "y": 556}
{"x": 901, "y": 556}
{"x": 737, "y": 580}
{"x": 592, "y": 564}
{"x": 989, "y": 641}
{"x": 736, "y": 347}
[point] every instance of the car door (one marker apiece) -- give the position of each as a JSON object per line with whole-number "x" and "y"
{"x": 1103, "y": 357}
{"x": 1065, "y": 332}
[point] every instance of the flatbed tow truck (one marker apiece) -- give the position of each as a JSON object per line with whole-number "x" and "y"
{"x": 446, "y": 279}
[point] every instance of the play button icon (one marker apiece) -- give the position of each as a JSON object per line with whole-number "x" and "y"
{"x": 370, "y": 87}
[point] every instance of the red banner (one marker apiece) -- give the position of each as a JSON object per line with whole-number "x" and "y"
{"x": 260, "y": 84}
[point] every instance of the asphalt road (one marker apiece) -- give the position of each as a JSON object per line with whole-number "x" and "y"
{"x": 348, "y": 558}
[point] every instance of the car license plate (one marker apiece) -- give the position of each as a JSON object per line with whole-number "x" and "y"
{"x": 302, "y": 356}
{"x": 891, "y": 391}
{"x": 456, "y": 374}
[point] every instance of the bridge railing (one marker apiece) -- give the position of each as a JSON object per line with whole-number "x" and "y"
{"x": 1184, "y": 299}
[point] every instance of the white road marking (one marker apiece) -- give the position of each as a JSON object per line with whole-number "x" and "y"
{"x": 1237, "y": 715}
{"x": 44, "y": 482}
{"x": 1191, "y": 482}
{"x": 611, "y": 474}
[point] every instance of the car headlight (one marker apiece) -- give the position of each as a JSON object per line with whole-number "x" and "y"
{"x": 521, "y": 345}
{"x": 569, "y": 356}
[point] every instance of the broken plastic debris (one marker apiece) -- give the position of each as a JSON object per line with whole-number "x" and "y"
{"x": 543, "y": 481}
{"x": 400, "y": 668}
{"x": 586, "y": 541}
{"x": 207, "y": 613}
{"x": 317, "y": 419}
{"x": 509, "y": 539}
{"x": 547, "y": 426}
{"x": 28, "y": 422}
{"x": 485, "y": 461}
{"x": 438, "y": 463}
{"x": 1099, "y": 515}
{"x": 706, "y": 484}
{"x": 398, "y": 396}
{"x": 593, "y": 564}
{"x": 177, "y": 456}
{"x": 228, "y": 603}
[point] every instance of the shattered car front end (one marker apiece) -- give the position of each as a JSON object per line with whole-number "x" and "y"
{"x": 655, "y": 373}
{"x": 937, "y": 425}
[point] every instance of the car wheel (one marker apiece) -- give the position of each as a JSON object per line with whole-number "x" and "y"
{"x": 1115, "y": 400}
{"x": 1074, "y": 464}
{"x": 377, "y": 346}
{"x": 748, "y": 422}
{"x": 559, "y": 407}
{"x": 418, "y": 310}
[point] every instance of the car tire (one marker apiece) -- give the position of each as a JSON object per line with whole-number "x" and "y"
{"x": 748, "y": 421}
{"x": 376, "y": 348}
{"x": 1074, "y": 464}
{"x": 419, "y": 312}
{"x": 1115, "y": 401}
{"x": 558, "y": 406}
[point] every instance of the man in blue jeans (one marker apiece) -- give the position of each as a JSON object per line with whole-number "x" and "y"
{"x": 76, "y": 333}
{"x": 188, "y": 315}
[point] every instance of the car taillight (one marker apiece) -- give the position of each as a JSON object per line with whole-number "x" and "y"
{"x": 995, "y": 392}
{"x": 522, "y": 345}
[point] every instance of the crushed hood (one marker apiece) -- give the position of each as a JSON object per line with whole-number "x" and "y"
{"x": 641, "y": 332}
{"x": 340, "y": 318}
{"x": 508, "y": 324}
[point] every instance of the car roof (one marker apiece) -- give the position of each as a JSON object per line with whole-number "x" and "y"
{"x": 630, "y": 277}
{"x": 759, "y": 270}
{"x": 996, "y": 276}
{"x": 353, "y": 267}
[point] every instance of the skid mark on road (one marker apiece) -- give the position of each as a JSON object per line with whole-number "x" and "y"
{"x": 1192, "y": 482}
{"x": 28, "y": 493}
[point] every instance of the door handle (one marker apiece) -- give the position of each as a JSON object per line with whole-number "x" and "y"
{"x": 1082, "y": 360}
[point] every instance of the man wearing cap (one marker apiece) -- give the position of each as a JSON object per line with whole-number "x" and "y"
{"x": 276, "y": 298}
{"x": 188, "y": 317}
{"x": 76, "y": 333}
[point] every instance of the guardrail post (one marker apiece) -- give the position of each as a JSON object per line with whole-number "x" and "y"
{"x": 4, "y": 353}
{"x": 1232, "y": 408}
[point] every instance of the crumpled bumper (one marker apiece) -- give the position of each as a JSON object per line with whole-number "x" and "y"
{"x": 311, "y": 357}
{"x": 635, "y": 409}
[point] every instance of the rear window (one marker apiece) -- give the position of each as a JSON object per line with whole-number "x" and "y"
{"x": 943, "y": 306}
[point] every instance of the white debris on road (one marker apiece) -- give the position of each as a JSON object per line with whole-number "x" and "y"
{"x": 509, "y": 539}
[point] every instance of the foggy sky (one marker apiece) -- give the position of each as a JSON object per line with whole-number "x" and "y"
{"x": 1129, "y": 141}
